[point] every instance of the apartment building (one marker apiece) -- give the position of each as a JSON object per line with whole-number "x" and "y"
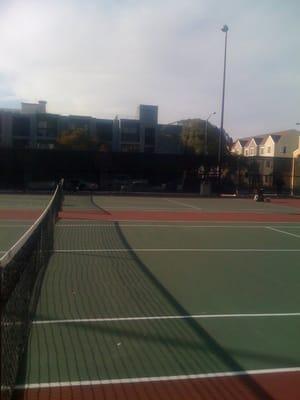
{"x": 32, "y": 127}
{"x": 238, "y": 147}
{"x": 296, "y": 171}
{"x": 251, "y": 147}
{"x": 279, "y": 144}
{"x": 269, "y": 151}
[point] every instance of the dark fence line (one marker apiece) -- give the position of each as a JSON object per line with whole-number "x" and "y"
{"x": 23, "y": 168}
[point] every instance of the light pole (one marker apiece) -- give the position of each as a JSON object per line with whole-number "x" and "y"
{"x": 206, "y": 124}
{"x": 224, "y": 29}
{"x": 293, "y": 171}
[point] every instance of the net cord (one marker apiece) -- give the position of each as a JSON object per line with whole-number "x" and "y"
{"x": 6, "y": 258}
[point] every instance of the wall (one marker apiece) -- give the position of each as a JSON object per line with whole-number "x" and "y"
{"x": 291, "y": 143}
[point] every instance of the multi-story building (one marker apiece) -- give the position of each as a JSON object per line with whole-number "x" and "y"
{"x": 279, "y": 144}
{"x": 33, "y": 127}
{"x": 238, "y": 146}
{"x": 273, "y": 154}
{"x": 251, "y": 147}
{"x": 296, "y": 171}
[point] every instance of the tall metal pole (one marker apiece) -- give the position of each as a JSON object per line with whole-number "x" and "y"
{"x": 206, "y": 126}
{"x": 293, "y": 171}
{"x": 224, "y": 29}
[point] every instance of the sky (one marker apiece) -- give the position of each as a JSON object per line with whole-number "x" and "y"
{"x": 104, "y": 58}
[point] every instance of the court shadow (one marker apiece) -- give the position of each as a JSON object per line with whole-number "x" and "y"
{"x": 103, "y": 210}
{"x": 110, "y": 350}
{"x": 211, "y": 344}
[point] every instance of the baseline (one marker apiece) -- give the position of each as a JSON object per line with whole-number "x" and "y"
{"x": 165, "y": 317}
{"x": 175, "y": 250}
{"x": 158, "y": 378}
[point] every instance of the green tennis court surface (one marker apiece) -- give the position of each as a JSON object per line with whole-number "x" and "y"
{"x": 23, "y": 201}
{"x": 135, "y": 301}
{"x": 10, "y": 232}
{"x": 12, "y": 229}
{"x": 139, "y": 203}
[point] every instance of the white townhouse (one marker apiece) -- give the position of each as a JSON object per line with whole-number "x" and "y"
{"x": 271, "y": 150}
{"x": 279, "y": 144}
{"x": 238, "y": 146}
{"x": 295, "y": 184}
{"x": 251, "y": 148}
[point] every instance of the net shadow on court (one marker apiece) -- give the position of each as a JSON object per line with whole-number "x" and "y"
{"x": 183, "y": 342}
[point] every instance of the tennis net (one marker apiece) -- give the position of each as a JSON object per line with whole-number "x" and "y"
{"x": 22, "y": 269}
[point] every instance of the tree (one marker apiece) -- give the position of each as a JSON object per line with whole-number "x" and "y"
{"x": 193, "y": 138}
{"x": 76, "y": 139}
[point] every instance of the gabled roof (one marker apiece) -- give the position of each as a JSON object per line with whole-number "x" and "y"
{"x": 261, "y": 139}
{"x": 276, "y": 138}
{"x": 242, "y": 142}
{"x": 248, "y": 142}
{"x": 264, "y": 140}
{"x": 257, "y": 141}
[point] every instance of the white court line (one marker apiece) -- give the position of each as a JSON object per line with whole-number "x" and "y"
{"x": 280, "y": 231}
{"x": 178, "y": 225}
{"x": 258, "y": 223}
{"x": 159, "y": 226}
{"x": 158, "y": 378}
{"x": 184, "y": 207}
{"x": 150, "y": 250}
{"x": 164, "y": 317}
{"x": 183, "y": 204}
{"x": 144, "y": 208}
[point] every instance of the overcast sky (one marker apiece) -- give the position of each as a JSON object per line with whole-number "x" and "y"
{"x": 102, "y": 58}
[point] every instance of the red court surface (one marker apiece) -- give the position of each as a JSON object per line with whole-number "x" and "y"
{"x": 275, "y": 386}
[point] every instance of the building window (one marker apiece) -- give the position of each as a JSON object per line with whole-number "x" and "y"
{"x": 42, "y": 129}
{"x": 262, "y": 150}
{"x": 42, "y": 124}
{"x": 251, "y": 151}
{"x": 269, "y": 149}
{"x": 78, "y": 123}
{"x": 130, "y": 137}
{"x": 149, "y": 136}
{"x": 130, "y": 132}
{"x": 246, "y": 152}
{"x": 21, "y": 126}
{"x": 104, "y": 133}
{"x": 47, "y": 127}
{"x": 283, "y": 149}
